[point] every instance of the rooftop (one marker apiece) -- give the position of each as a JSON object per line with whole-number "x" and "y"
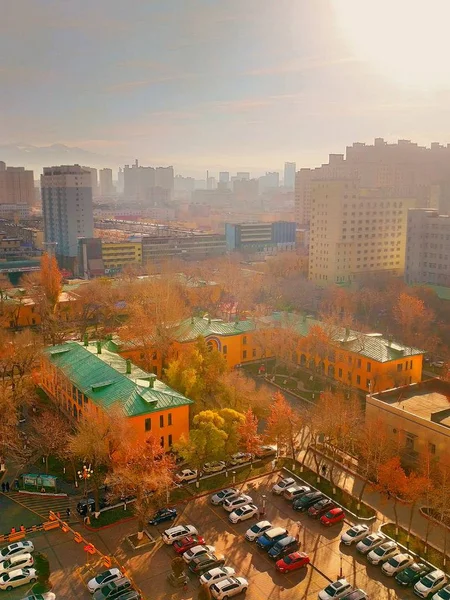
{"x": 104, "y": 379}
{"x": 428, "y": 400}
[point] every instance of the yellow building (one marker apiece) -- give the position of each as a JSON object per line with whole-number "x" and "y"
{"x": 355, "y": 232}
{"x": 117, "y": 255}
{"x": 417, "y": 418}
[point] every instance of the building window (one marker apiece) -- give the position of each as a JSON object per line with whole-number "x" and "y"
{"x": 169, "y": 419}
{"x": 349, "y": 375}
{"x": 431, "y": 448}
{"x": 399, "y": 367}
{"x": 358, "y": 379}
{"x": 148, "y": 424}
{"x": 244, "y": 354}
{"x": 409, "y": 441}
{"x": 244, "y": 340}
{"x": 169, "y": 441}
{"x": 410, "y": 364}
{"x": 161, "y": 420}
{"x": 225, "y": 349}
{"x": 369, "y": 367}
{"x": 254, "y": 352}
{"x": 340, "y": 372}
{"x": 359, "y": 363}
{"x": 162, "y": 441}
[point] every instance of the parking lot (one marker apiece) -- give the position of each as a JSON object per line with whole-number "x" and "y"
{"x": 150, "y": 567}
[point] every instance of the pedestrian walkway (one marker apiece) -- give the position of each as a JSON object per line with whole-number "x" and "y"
{"x": 41, "y": 505}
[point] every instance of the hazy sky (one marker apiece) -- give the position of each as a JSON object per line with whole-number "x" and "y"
{"x": 223, "y": 83}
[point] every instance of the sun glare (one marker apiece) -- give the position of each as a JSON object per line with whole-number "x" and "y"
{"x": 407, "y": 40}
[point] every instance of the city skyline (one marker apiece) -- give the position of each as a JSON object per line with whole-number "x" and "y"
{"x": 224, "y": 86}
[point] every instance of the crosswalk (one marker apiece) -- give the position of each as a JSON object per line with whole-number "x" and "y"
{"x": 41, "y": 505}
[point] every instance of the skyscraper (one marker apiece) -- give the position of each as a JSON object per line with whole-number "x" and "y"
{"x": 289, "y": 175}
{"x": 94, "y": 179}
{"x": 106, "y": 182}
{"x": 16, "y": 185}
{"x": 67, "y": 209}
{"x": 224, "y": 177}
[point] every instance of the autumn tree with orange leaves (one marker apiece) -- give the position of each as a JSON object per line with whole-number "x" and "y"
{"x": 283, "y": 425}
{"x": 392, "y": 483}
{"x": 415, "y": 321}
{"x": 250, "y": 440}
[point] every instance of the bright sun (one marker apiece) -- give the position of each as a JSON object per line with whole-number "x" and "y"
{"x": 407, "y": 40}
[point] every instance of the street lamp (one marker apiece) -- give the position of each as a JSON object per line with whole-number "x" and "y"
{"x": 85, "y": 474}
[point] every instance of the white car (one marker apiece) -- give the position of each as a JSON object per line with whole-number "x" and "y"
{"x": 20, "y": 561}
{"x": 13, "y": 579}
{"x": 215, "y": 575}
{"x": 233, "y": 503}
{"x": 282, "y": 485}
{"x": 370, "y": 542}
{"x": 256, "y": 530}
{"x": 243, "y": 513}
{"x": 337, "y": 589}
{"x": 221, "y": 496}
{"x": 430, "y": 584}
{"x": 104, "y": 578}
{"x": 397, "y": 563}
{"x": 196, "y": 551}
{"x": 17, "y": 548}
{"x": 240, "y": 458}
{"x": 382, "y": 553}
{"x": 186, "y": 475}
{"x": 214, "y": 467}
{"x": 442, "y": 594}
{"x": 228, "y": 587}
{"x": 173, "y": 534}
{"x": 44, "y": 596}
{"x": 293, "y": 491}
{"x": 354, "y": 534}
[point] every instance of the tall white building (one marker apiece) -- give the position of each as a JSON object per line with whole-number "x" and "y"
{"x": 106, "y": 182}
{"x": 289, "y": 175}
{"x": 67, "y": 209}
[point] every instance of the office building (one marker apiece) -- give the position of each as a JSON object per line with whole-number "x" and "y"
{"x": 269, "y": 181}
{"x": 428, "y": 248}
{"x": 245, "y": 190}
{"x": 243, "y": 175}
{"x": 120, "y": 181}
{"x": 224, "y": 177}
{"x": 67, "y": 209}
{"x": 157, "y": 249}
{"x": 260, "y": 236}
{"x": 289, "y": 175}
{"x": 94, "y": 180}
{"x": 106, "y": 182}
{"x": 355, "y": 232}
{"x": 404, "y": 170}
{"x": 140, "y": 183}
{"x": 164, "y": 178}
{"x": 16, "y": 187}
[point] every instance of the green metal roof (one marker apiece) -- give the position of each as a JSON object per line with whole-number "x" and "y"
{"x": 191, "y": 329}
{"x": 103, "y": 378}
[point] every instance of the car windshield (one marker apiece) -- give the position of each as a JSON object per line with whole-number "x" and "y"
{"x": 394, "y": 562}
{"x": 288, "y": 560}
{"x": 331, "y": 590}
{"x": 368, "y": 541}
{"x": 428, "y": 582}
{"x": 102, "y": 577}
{"x": 380, "y": 551}
{"x": 239, "y": 511}
{"x": 352, "y": 533}
{"x": 329, "y": 515}
{"x": 255, "y": 529}
{"x": 444, "y": 594}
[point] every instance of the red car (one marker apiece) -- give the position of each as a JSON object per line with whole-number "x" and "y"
{"x": 187, "y": 543}
{"x": 335, "y": 515}
{"x": 291, "y": 562}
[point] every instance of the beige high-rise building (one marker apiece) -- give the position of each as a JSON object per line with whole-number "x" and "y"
{"x": 403, "y": 169}
{"x": 94, "y": 180}
{"x": 106, "y": 182}
{"x": 355, "y": 231}
{"x": 16, "y": 186}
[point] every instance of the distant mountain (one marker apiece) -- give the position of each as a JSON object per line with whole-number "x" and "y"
{"x": 36, "y": 157}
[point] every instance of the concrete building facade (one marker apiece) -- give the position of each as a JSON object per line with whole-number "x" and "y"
{"x": 16, "y": 187}
{"x": 428, "y": 248}
{"x": 106, "y": 182}
{"x": 289, "y": 175}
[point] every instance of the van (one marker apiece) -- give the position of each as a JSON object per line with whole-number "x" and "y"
{"x": 271, "y": 537}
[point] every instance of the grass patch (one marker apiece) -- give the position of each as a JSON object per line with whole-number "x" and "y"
{"x": 108, "y": 517}
{"x": 221, "y": 481}
{"x": 415, "y": 544}
{"x": 55, "y": 467}
{"x": 341, "y": 496}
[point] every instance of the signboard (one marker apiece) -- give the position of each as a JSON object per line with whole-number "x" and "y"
{"x": 39, "y": 480}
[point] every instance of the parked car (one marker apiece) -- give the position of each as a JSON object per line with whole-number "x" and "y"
{"x": 25, "y": 547}
{"x": 412, "y": 574}
{"x": 430, "y": 584}
{"x": 216, "y": 575}
{"x": 337, "y": 589}
{"x": 243, "y": 513}
{"x": 87, "y": 505}
{"x": 319, "y": 508}
{"x": 186, "y": 543}
{"x": 19, "y": 561}
{"x": 256, "y": 530}
{"x": 44, "y": 596}
{"x": 442, "y": 594}
{"x": 214, "y": 467}
{"x": 231, "y": 504}
{"x": 170, "y": 536}
{"x": 292, "y": 562}
{"x": 294, "y": 491}
{"x": 271, "y": 537}
{"x": 197, "y": 551}
{"x": 240, "y": 458}
{"x": 115, "y": 589}
{"x": 396, "y": 564}
{"x": 221, "y": 496}
{"x": 282, "y": 485}
{"x": 333, "y": 516}
{"x": 284, "y": 547}
{"x": 370, "y": 542}
{"x": 356, "y": 595}
{"x": 104, "y": 578}
{"x": 206, "y": 562}
{"x": 437, "y": 364}
{"x": 304, "y": 502}
{"x": 354, "y": 534}
{"x": 382, "y": 553}
{"x": 13, "y": 579}
{"x": 229, "y": 587}
{"x": 130, "y": 595}
{"x": 266, "y": 451}
{"x": 186, "y": 475}
{"x": 163, "y": 515}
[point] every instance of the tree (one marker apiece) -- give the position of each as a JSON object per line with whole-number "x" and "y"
{"x": 49, "y": 436}
{"x": 144, "y": 471}
{"x": 283, "y": 425}
{"x": 392, "y": 483}
{"x": 414, "y": 320}
{"x": 240, "y": 392}
{"x": 415, "y": 490}
{"x": 250, "y": 440}
{"x": 440, "y": 497}
{"x": 232, "y": 421}
{"x": 317, "y": 343}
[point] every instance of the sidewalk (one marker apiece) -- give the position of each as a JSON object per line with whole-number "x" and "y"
{"x": 385, "y": 513}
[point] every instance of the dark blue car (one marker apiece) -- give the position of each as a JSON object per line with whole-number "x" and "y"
{"x": 163, "y": 514}
{"x": 271, "y": 537}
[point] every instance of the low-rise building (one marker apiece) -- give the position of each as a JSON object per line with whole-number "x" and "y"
{"x": 87, "y": 378}
{"x": 417, "y": 417}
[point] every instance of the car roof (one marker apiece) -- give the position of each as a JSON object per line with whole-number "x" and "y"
{"x": 275, "y": 531}
{"x": 287, "y": 540}
{"x": 227, "y": 581}
{"x": 263, "y": 524}
{"x": 16, "y": 572}
{"x": 336, "y": 509}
